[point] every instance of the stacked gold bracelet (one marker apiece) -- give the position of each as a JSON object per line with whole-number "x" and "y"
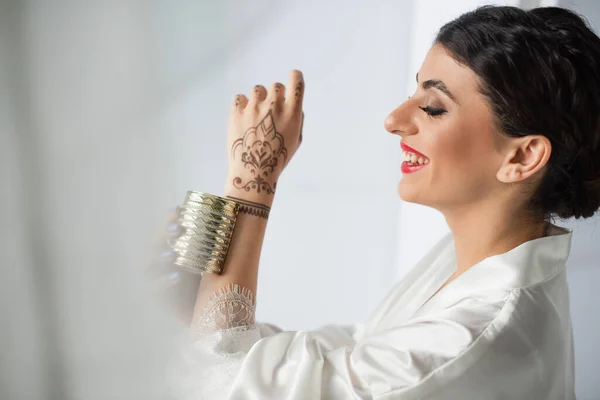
{"x": 207, "y": 223}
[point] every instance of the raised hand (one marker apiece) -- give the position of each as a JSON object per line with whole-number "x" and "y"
{"x": 265, "y": 131}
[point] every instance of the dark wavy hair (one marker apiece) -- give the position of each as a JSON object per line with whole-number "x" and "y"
{"x": 540, "y": 71}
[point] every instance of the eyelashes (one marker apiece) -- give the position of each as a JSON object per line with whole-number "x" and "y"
{"x": 433, "y": 112}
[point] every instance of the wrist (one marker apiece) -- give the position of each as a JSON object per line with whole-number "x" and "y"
{"x": 258, "y": 207}
{"x": 259, "y": 200}
{"x": 257, "y": 191}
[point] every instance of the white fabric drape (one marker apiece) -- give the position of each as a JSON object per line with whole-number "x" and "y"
{"x": 500, "y": 330}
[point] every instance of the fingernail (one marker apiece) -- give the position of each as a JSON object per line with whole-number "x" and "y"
{"x": 174, "y": 276}
{"x": 172, "y": 227}
{"x": 166, "y": 253}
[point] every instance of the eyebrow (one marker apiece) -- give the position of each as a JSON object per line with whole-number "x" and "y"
{"x": 439, "y": 85}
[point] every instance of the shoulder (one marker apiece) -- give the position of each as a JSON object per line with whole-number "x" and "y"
{"x": 510, "y": 335}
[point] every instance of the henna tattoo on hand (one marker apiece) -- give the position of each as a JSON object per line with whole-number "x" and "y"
{"x": 249, "y": 207}
{"x": 259, "y": 149}
{"x": 301, "y": 127}
{"x": 258, "y": 89}
{"x": 298, "y": 90}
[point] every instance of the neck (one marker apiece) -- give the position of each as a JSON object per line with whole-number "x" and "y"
{"x": 481, "y": 232}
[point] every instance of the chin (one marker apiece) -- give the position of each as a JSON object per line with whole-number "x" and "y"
{"x": 409, "y": 193}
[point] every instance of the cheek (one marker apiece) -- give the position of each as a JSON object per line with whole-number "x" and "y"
{"x": 458, "y": 161}
{"x": 449, "y": 150}
{"x": 460, "y": 169}
{"x": 463, "y": 165}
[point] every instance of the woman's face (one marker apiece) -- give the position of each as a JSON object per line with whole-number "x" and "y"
{"x": 448, "y": 122}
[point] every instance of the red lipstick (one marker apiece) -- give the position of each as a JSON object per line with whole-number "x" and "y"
{"x": 408, "y": 167}
{"x": 406, "y": 147}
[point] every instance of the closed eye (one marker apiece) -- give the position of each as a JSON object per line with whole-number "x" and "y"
{"x": 433, "y": 112}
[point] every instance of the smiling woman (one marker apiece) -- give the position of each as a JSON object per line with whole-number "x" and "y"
{"x": 501, "y": 136}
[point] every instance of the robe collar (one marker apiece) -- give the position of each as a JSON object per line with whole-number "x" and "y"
{"x": 528, "y": 264}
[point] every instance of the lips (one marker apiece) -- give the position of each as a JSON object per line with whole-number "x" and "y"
{"x": 415, "y": 160}
{"x": 406, "y": 147}
{"x": 407, "y": 168}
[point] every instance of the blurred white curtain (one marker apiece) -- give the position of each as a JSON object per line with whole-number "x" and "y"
{"x": 23, "y": 359}
{"x": 110, "y": 110}
{"x": 85, "y": 169}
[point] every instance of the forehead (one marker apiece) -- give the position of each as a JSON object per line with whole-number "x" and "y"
{"x": 439, "y": 64}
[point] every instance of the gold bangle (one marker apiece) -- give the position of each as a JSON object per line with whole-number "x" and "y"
{"x": 207, "y": 223}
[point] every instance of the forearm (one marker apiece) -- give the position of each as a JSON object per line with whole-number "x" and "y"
{"x": 263, "y": 134}
{"x": 243, "y": 256}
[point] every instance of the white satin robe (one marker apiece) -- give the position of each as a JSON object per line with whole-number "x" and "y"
{"x": 501, "y": 330}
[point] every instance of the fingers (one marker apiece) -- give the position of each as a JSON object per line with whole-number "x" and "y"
{"x": 239, "y": 102}
{"x": 163, "y": 262}
{"x": 172, "y": 216}
{"x": 276, "y": 95}
{"x": 177, "y": 287}
{"x": 171, "y": 229}
{"x": 276, "y": 92}
{"x": 258, "y": 95}
{"x": 166, "y": 282}
{"x": 163, "y": 256}
{"x": 301, "y": 127}
{"x": 295, "y": 92}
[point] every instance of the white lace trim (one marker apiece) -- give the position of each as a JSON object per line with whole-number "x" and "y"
{"x": 232, "y": 306}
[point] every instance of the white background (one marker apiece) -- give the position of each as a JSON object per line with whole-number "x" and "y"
{"x": 110, "y": 111}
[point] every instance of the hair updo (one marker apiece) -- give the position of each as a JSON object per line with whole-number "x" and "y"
{"x": 540, "y": 71}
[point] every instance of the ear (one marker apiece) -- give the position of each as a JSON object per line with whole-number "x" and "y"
{"x": 526, "y": 156}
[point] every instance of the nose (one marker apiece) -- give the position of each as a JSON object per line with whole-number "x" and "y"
{"x": 401, "y": 120}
